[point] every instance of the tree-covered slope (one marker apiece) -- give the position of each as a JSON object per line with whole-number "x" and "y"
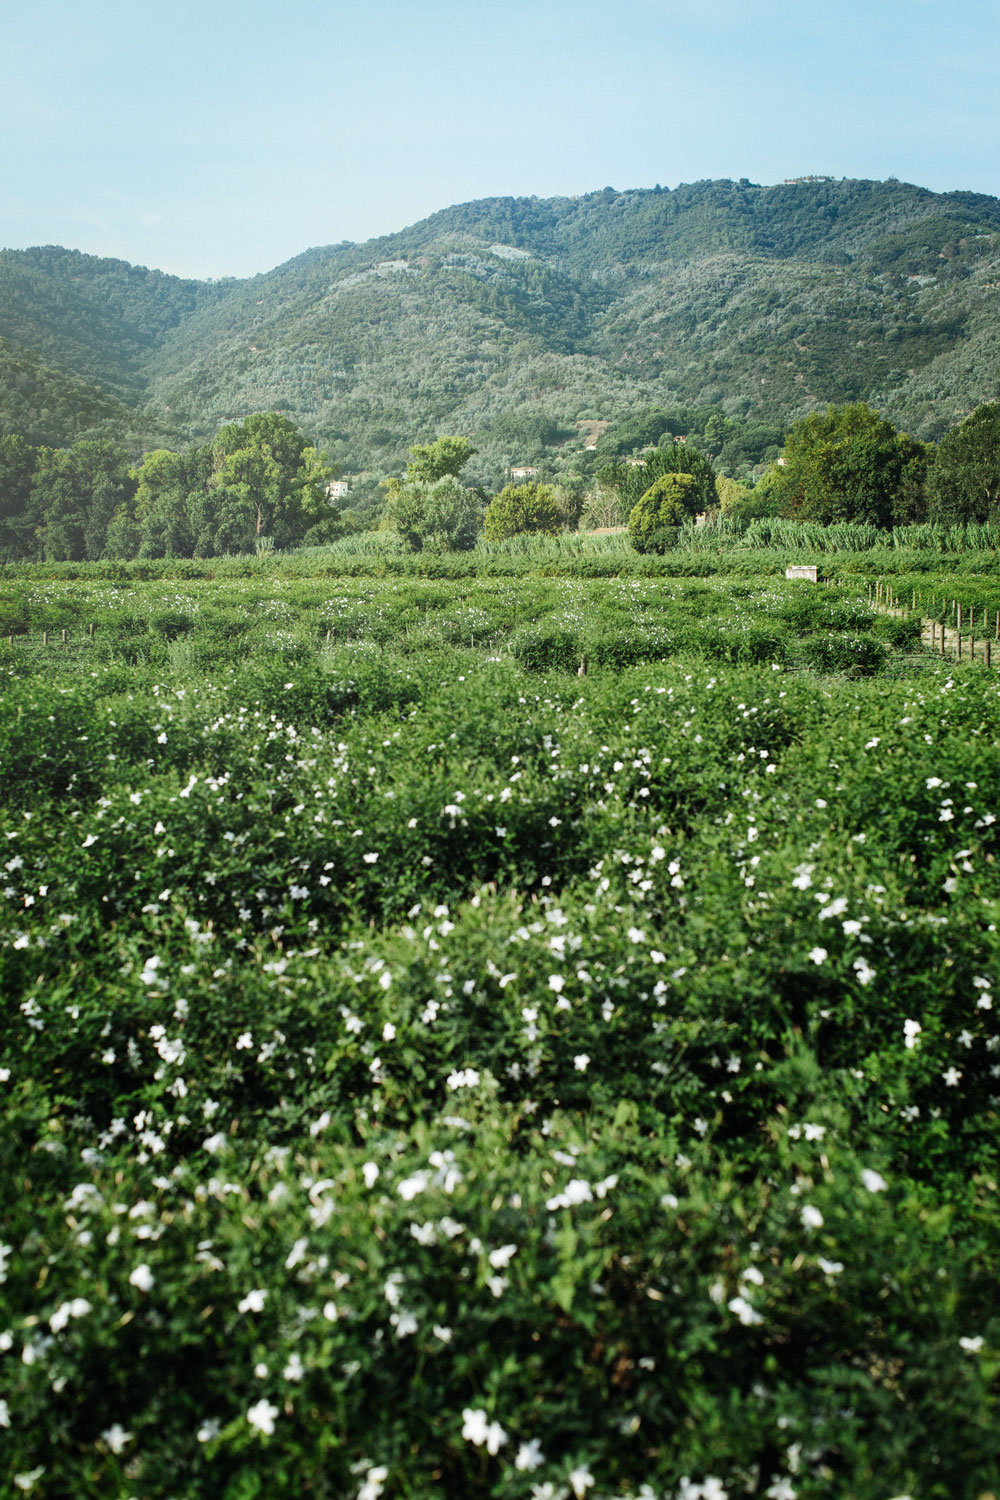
{"x": 48, "y": 406}
{"x": 517, "y": 320}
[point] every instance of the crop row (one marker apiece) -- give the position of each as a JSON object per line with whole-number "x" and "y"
{"x": 432, "y": 1072}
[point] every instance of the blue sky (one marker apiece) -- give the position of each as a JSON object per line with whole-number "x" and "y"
{"x": 210, "y": 138}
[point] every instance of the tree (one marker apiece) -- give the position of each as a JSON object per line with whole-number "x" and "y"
{"x": 656, "y": 518}
{"x": 849, "y": 464}
{"x": 520, "y": 508}
{"x": 267, "y": 472}
{"x": 432, "y": 461}
{"x": 631, "y": 479}
{"x": 964, "y": 479}
{"x": 442, "y": 516}
{"x": 17, "y": 514}
{"x": 76, "y": 491}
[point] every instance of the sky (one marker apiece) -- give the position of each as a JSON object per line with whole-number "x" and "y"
{"x": 208, "y": 138}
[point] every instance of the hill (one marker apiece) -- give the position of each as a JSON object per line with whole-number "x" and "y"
{"x": 520, "y": 320}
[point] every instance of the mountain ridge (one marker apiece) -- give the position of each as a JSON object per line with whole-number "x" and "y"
{"x": 516, "y": 320}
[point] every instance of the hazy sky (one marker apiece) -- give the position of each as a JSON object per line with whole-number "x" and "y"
{"x": 211, "y": 138}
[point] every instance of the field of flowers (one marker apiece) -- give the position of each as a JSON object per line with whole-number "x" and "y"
{"x": 495, "y": 1036}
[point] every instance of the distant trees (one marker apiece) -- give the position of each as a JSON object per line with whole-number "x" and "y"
{"x": 260, "y": 482}
{"x": 850, "y": 464}
{"x": 633, "y": 477}
{"x": 964, "y": 480}
{"x": 257, "y": 478}
{"x": 428, "y": 507}
{"x": 656, "y": 518}
{"x": 522, "y": 508}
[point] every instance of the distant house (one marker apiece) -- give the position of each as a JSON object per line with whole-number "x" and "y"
{"x": 524, "y": 472}
{"x": 337, "y": 489}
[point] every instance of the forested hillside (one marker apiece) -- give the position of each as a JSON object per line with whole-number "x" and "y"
{"x": 528, "y": 323}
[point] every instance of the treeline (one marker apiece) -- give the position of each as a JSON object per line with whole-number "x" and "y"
{"x": 847, "y": 464}
{"x": 258, "y": 483}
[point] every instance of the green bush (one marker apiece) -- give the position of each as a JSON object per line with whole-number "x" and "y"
{"x": 522, "y": 508}
{"x": 655, "y": 520}
{"x": 854, "y": 655}
{"x": 428, "y": 1072}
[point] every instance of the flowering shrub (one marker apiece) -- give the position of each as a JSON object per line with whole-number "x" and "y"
{"x": 428, "y": 1072}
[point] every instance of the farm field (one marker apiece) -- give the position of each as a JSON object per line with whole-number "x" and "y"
{"x": 515, "y": 1034}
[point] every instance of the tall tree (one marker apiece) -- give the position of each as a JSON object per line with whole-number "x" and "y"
{"x": 964, "y": 481}
{"x": 849, "y": 464}
{"x": 631, "y": 479}
{"x": 18, "y": 518}
{"x": 432, "y": 461}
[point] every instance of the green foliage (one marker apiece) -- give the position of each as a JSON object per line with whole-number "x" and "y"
{"x": 522, "y": 508}
{"x": 849, "y": 464}
{"x": 432, "y": 461}
{"x": 964, "y": 481}
{"x": 427, "y": 1072}
{"x": 656, "y": 518}
{"x": 630, "y": 480}
{"x": 718, "y": 311}
{"x": 440, "y": 515}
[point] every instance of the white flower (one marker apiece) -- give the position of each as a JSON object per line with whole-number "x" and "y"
{"x": 818, "y": 955}
{"x": 142, "y": 1277}
{"x": 28, "y": 1480}
{"x": 747, "y": 1315}
{"x": 370, "y": 1173}
{"x": 374, "y": 1483}
{"x": 475, "y": 1429}
{"x": 411, "y": 1186}
{"x": 529, "y": 1455}
{"x": 829, "y": 1267}
{"x": 77, "y": 1308}
{"x": 581, "y": 1062}
{"x": 116, "y": 1437}
{"x": 952, "y": 1077}
{"x": 874, "y": 1181}
{"x": 500, "y": 1258}
{"x": 580, "y": 1481}
{"x": 557, "y": 983}
{"x": 208, "y": 1430}
{"x": 4, "y": 1414}
{"x": 370, "y": 859}
{"x": 971, "y": 1346}
{"x": 253, "y": 1301}
{"x": 261, "y": 1416}
{"x": 811, "y": 1217}
{"x": 911, "y": 1030}
{"x": 781, "y": 1488}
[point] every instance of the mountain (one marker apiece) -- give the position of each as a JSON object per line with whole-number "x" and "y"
{"x": 532, "y": 323}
